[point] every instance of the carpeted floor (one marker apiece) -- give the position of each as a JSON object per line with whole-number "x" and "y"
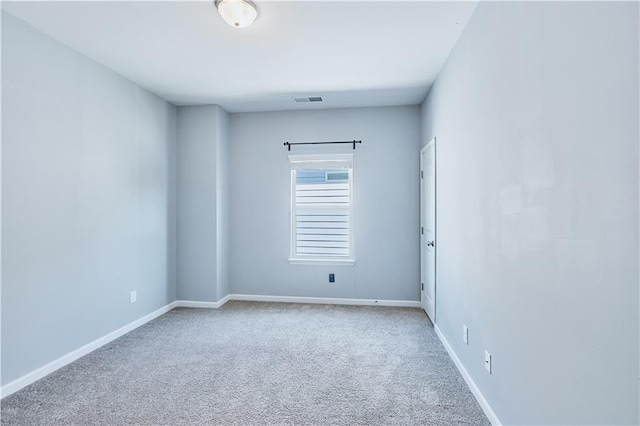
{"x": 259, "y": 363}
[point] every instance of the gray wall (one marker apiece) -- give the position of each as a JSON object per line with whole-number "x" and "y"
{"x": 222, "y": 205}
{"x": 536, "y": 115}
{"x": 202, "y": 203}
{"x": 87, "y": 209}
{"x": 386, "y": 209}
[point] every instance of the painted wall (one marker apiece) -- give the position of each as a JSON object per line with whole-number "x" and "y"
{"x": 386, "y": 189}
{"x": 536, "y": 115}
{"x": 222, "y": 206}
{"x": 88, "y": 212}
{"x": 202, "y": 203}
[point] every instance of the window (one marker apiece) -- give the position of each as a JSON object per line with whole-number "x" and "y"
{"x": 321, "y": 208}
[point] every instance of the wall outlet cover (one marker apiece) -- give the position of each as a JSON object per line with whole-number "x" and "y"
{"x": 134, "y": 297}
{"x": 487, "y": 361}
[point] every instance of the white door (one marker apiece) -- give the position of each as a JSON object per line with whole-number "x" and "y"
{"x": 428, "y": 228}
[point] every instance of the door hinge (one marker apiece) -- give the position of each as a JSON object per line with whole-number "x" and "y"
{"x": 422, "y": 230}
{"x": 421, "y": 174}
{"x": 422, "y": 286}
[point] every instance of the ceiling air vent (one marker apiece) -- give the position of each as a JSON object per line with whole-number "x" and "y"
{"x": 309, "y": 99}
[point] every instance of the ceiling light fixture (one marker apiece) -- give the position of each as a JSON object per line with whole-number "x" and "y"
{"x": 237, "y": 13}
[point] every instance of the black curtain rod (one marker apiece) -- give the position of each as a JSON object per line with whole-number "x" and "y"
{"x": 288, "y": 144}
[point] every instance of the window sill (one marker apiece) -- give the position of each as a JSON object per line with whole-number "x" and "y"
{"x": 318, "y": 262}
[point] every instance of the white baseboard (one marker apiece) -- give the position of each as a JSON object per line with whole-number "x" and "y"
{"x": 324, "y": 300}
{"x": 197, "y": 304}
{"x": 296, "y": 299}
{"x": 484, "y": 404}
{"x": 35, "y": 375}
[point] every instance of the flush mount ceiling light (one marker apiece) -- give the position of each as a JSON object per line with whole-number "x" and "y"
{"x": 237, "y": 13}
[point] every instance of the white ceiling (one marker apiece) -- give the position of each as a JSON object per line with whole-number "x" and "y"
{"x": 352, "y": 53}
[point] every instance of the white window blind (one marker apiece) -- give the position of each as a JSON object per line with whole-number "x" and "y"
{"x": 321, "y": 207}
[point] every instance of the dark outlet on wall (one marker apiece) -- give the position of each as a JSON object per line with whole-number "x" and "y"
{"x": 332, "y": 278}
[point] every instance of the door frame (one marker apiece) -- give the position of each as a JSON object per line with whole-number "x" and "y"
{"x": 431, "y": 143}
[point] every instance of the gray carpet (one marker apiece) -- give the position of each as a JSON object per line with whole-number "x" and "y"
{"x": 259, "y": 363}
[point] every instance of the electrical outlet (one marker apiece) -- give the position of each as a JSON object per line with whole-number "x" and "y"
{"x": 465, "y": 334}
{"x": 487, "y": 361}
{"x": 134, "y": 296}
{"x": 332, "y": 278}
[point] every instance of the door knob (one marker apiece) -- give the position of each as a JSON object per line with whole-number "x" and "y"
{"x": 431, "y": 244}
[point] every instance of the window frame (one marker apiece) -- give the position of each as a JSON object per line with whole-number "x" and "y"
{"x": 314, "y": 160}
